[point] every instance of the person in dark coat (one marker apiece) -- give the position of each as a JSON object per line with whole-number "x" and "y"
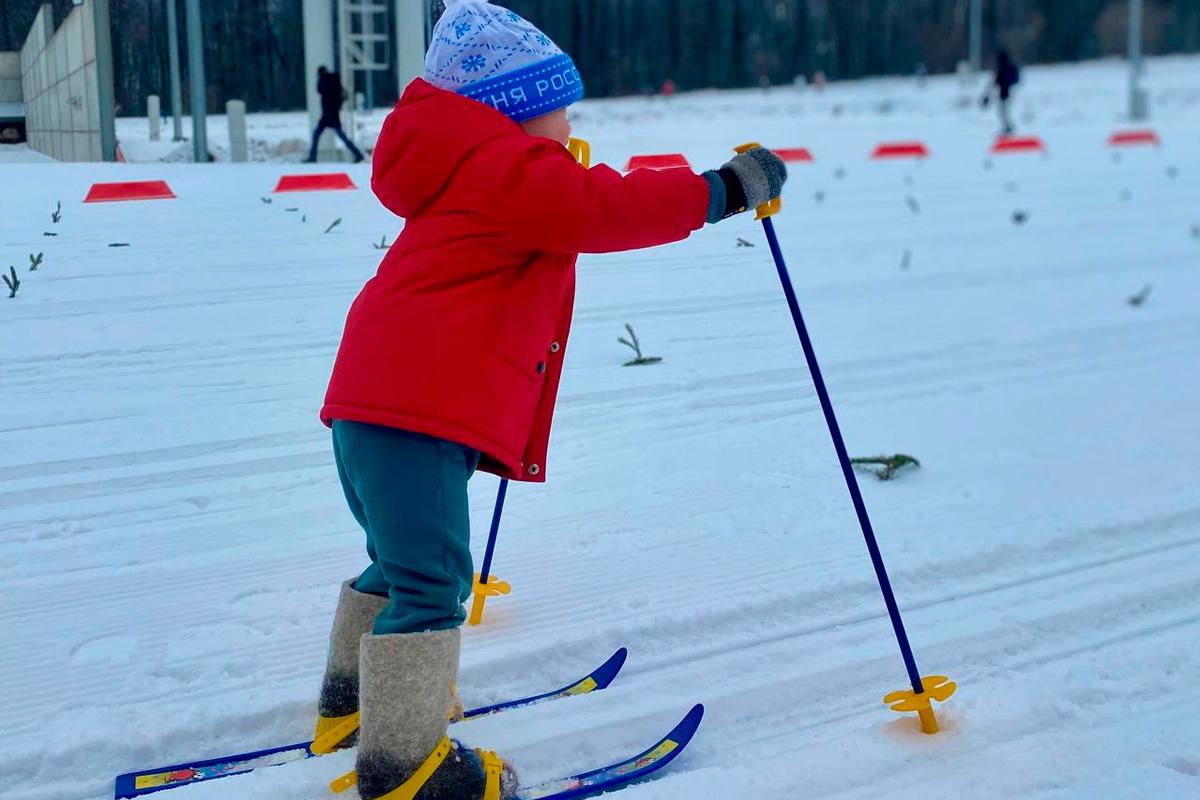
{"x": 1007, "y": 76}
{"x": 329, "y": 86}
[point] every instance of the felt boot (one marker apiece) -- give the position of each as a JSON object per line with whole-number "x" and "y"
{"x": 337, "y": 723}
{"x": 403, "y": 749}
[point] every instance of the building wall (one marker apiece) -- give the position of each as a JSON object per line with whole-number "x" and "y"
{"x": 59, "y": 82}
{"x": 12, "y": 112}
{"x": 10, "y": 77}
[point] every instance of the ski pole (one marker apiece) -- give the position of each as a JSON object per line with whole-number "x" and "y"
{"x": 485, "y": 586}
{"x": 931, "y": 687}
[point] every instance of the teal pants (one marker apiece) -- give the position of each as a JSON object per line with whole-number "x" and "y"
{"x": 409, "y": 493}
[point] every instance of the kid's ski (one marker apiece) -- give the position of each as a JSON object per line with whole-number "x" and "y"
{"x": 143, "y": 782}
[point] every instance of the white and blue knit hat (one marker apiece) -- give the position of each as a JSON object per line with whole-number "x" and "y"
{"x": 497, "y": 57}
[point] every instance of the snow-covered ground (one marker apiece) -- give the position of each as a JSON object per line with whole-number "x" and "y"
{"x": 21, "y": 154}
{"x": 172, "y": 535}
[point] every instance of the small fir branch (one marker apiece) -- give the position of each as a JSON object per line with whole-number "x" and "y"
{"x": 886, "y": 467}
{"x": 35, "y": 261}
{"x": 267, "y": 200}
{"x": 334, "y": 224}
{"x": 118, "y": 244}
{"x": 743, "y": 243}
{"x": 383, "y": 244}
{"x": 1141, "y": 297}
{"x": 13, "y": 283}
{"x": 634, "y": 344}
{"x": 56, "y": 215}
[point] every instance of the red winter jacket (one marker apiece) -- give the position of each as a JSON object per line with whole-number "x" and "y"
{"x": 461, "y": 333}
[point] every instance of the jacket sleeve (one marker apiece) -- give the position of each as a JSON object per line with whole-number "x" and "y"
{"x": 557, "y": 205}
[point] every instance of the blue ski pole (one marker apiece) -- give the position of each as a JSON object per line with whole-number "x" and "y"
{"x": 485, "y": 586}
{"x": 931, "y": 687}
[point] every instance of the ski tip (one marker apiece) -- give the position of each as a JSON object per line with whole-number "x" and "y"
{"x": 623, "y": 773}
{"x": 668, "y": 748}
{"x": 687, "y": 728}
{"x": 608, "y": 671}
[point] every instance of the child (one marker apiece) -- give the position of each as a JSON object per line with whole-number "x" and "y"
{"x": 451, "y": 359}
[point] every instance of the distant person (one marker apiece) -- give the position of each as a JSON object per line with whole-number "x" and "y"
{"x": 329, "y": 86}
{"x": 1008, "y": 75}
{"x": 451, "y": 361}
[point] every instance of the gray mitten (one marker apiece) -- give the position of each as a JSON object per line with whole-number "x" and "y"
{"x": 747, "y": 181}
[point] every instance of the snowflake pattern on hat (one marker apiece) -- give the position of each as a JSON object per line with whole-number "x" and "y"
{"x": 496, "y": 56}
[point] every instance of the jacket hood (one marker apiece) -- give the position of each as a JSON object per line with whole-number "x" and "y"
{"x": 427, "y": 136}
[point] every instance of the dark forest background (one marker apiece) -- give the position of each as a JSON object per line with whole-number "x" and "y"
{"x": 255, "y": 51}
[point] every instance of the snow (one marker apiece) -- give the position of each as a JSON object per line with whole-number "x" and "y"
{"x": 21, "y": 154}
{"x": 172, "y": 535}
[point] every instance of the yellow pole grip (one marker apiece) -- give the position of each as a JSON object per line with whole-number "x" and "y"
{"x": 581, "y": 150}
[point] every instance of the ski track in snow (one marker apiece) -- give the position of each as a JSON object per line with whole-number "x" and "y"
{"x": 172, "y": 534}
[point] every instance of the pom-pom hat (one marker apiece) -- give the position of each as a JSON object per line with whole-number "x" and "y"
{"x": 496, "y": 56}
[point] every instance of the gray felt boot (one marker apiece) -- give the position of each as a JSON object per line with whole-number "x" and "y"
{"x": 405, "y": 693}
{"x": 338, "y": 706}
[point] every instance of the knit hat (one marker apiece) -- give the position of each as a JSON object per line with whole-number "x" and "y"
{"x": 495, "y": 56}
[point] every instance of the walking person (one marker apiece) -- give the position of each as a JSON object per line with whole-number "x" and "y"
{"x": 1008, "y": 75}
{"x": 329, "y": 86}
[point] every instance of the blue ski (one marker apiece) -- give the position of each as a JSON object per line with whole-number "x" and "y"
{"x": 143, "y": 782}
{"x": 623, "y": 773}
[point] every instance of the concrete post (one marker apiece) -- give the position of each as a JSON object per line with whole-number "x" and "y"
{"x": 195, "y": 42}
{"x": 350, "y": 109}
{"x": 367, "y": 25}
{"x": 154, "y": 113}
{"x": 173, "y": 62}
{"x": 105, "y": 94}
{"x": 239, "y": 147}
{"x": 412, "y": 18}
{"x": 1138, "y": 105}
{"x": 976, "y": 36}
{"x": 318, "y": 52}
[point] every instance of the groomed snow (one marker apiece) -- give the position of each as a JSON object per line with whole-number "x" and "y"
{"x": 172, "y": 535}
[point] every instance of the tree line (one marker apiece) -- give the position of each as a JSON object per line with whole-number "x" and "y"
{"x": 254, "y": 49}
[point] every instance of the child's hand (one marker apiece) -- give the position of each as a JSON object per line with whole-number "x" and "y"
{"x": 747, "y": 181}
